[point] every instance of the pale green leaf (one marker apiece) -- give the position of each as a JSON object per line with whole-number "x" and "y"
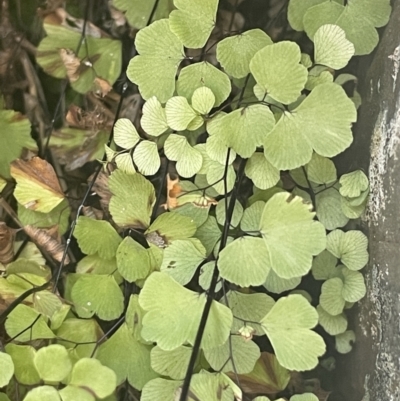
{"x": 331, "y": 298}
{"x": 317, "y": 77}
{"x": 245, "y": 251}
{"x": 53, "y": 363}
{"x": 125, "y": 134}
{"x": 172, "y": 363}
{"x": 333, "y": 325}
{"x": 193, "y": 21}
{"x": 192, "y": 210}
{"x": 349, "y": 247}
{"x": 6, "y": 369}
{"x": 328, "y": 204}
{"x": 88, "y": 293}
{"x": 72, "y": 393}
{"x": 25, "y": 370}
{"x": 321, "y": 170}
{"x": 98, "y": 379}
{"x": 353, "y": 208}
{"x": 146, "y": 157}
{"x": 47, "y": 303}
{"x": 173, "y": 314}
{"x": 277, "y": 284}
{"x": 160, "y": 389}
{"x": 250, "y": 222}
{"x": 304, "y": 397}
{"x": 154, "y": 119}
{"x": 236, "y": 215}
{"x": 124, "y": 163}
{"x": 25, "y": 324}
{"x": 331, "y": 48}
{"x": 344, "y": 341}
{"x": 132, "y": 201}
{"x": 202, "y": 74}
{"x": 291, "y": 235}
{"x": 96, "y": 265}
{"x": 182, "y": 258}
{"x": 154, "y": 69}
{"x": 43, "y": 393}
{"x": 322, "y": 122}
{"x": 288, "y": 326}
{"x": 127, "y": 357}
{"x": 353, "y": 285}
{"x": 324, "y": 266}
{"x": 209, "y": 233}
{"x": 248, "y": 310}
{"x": 96, "y": 236}
{"x": 133, "y": 260}
{"x": 217, "y": 150}
{"x": 263, "y": 174}
{"x": 243, "y": 353}
{"x": 179, "y": 113}
{"x": 189, "y": 159}
{"x": 207, "y": 386}
{"x": 277, "y": 69}
{"x": 353, "y": 184}
{"x": 206, "y": 274}
{"x": 235, "y": 52}
{"x": 203, "y": 100}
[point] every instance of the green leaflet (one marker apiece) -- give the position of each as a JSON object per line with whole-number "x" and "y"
{"x": 6, "y": 369}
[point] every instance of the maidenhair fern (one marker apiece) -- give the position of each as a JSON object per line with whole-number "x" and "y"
{"x": 263, "y": 120}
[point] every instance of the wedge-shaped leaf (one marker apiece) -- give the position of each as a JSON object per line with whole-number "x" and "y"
{"x": 127, "y": 357}
{"x": 182, "y": 258}
{"x": 235, "y": 52}
{"x": 291, "y": 235}
{"x": 324, "y": 266}
{"x": 6, "y": 369}
{"x": 88, "y": 293}
{"x": 297, "y": 9}
{"x": 179, "y": 113}
{"x": 37, "y": 185}
{"x": 349, "y": 247}
{"x": 47, "y": 303}
{"x": 277, "y": 69}
{"x": 43, "y": 393}
{"x": 277, "y": 284}
{"x": 124, "y": 163}
{"x": 206, "y": 275}
{"x": 203, "y": 100}
{"x": 333, "y": 325}
{"x": 173, "y": 315}
{"x": 331, "y": 48}
{"x": 250, "y": 222}
{"x": 248, "y": 309}
{"x": 161, "y": 389}
{"x": 96, "y": 265}
{"x": 125, "y": 134}
{"x": 25, "y": 324}
{"x": 267, "y": 377}
{"x": 13, "y": 139}
{"x": 133, "y": 260}
{"x": 322, "y": 122}
{"x": 97, "y": 236}
{"x": 98, "y": 379}
{"x": 288, "y": 326}
{"x": 317, "y": 77}
{"x": 202, "y": 74}
{"x": 154, "y": 119}
{"x": 263, "y": 174}
{"x": 353, "y": 285}
{"x": 329, "y": 209}
{"x": 331, "y": 298}
{"x": 304, "y": 397}
{"x": 245, "y": 129}
{"x": 53, "y": 363}
{"x": 138, "y": 12}
{"x": 171, "y": 363}
{"x": 209, "y": 233}
{"x": 211, "y": 387}
{"x": 96, "y": 66}
{"x": 245, "y": 251}
{"x": 193, "y": 21}
{"x": 217, "y": 150}
{"x": 243, "y": 353}
{"x": 353, "y": 208}
{"x": 72, "y": 393}
{"x": 154, "y": 69}
{"x": 344, "y": 341}
{"x": 353, "y": 184}
{"x": 321, "y": 170}
{"x": 236, "y": 215}
{"x": 146, "y": 157}
{"x": 80, "y": 335}
{"x": 25, "y": 370}
{"x": 132, "y": 201}
{"x": 189, "y": 159}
